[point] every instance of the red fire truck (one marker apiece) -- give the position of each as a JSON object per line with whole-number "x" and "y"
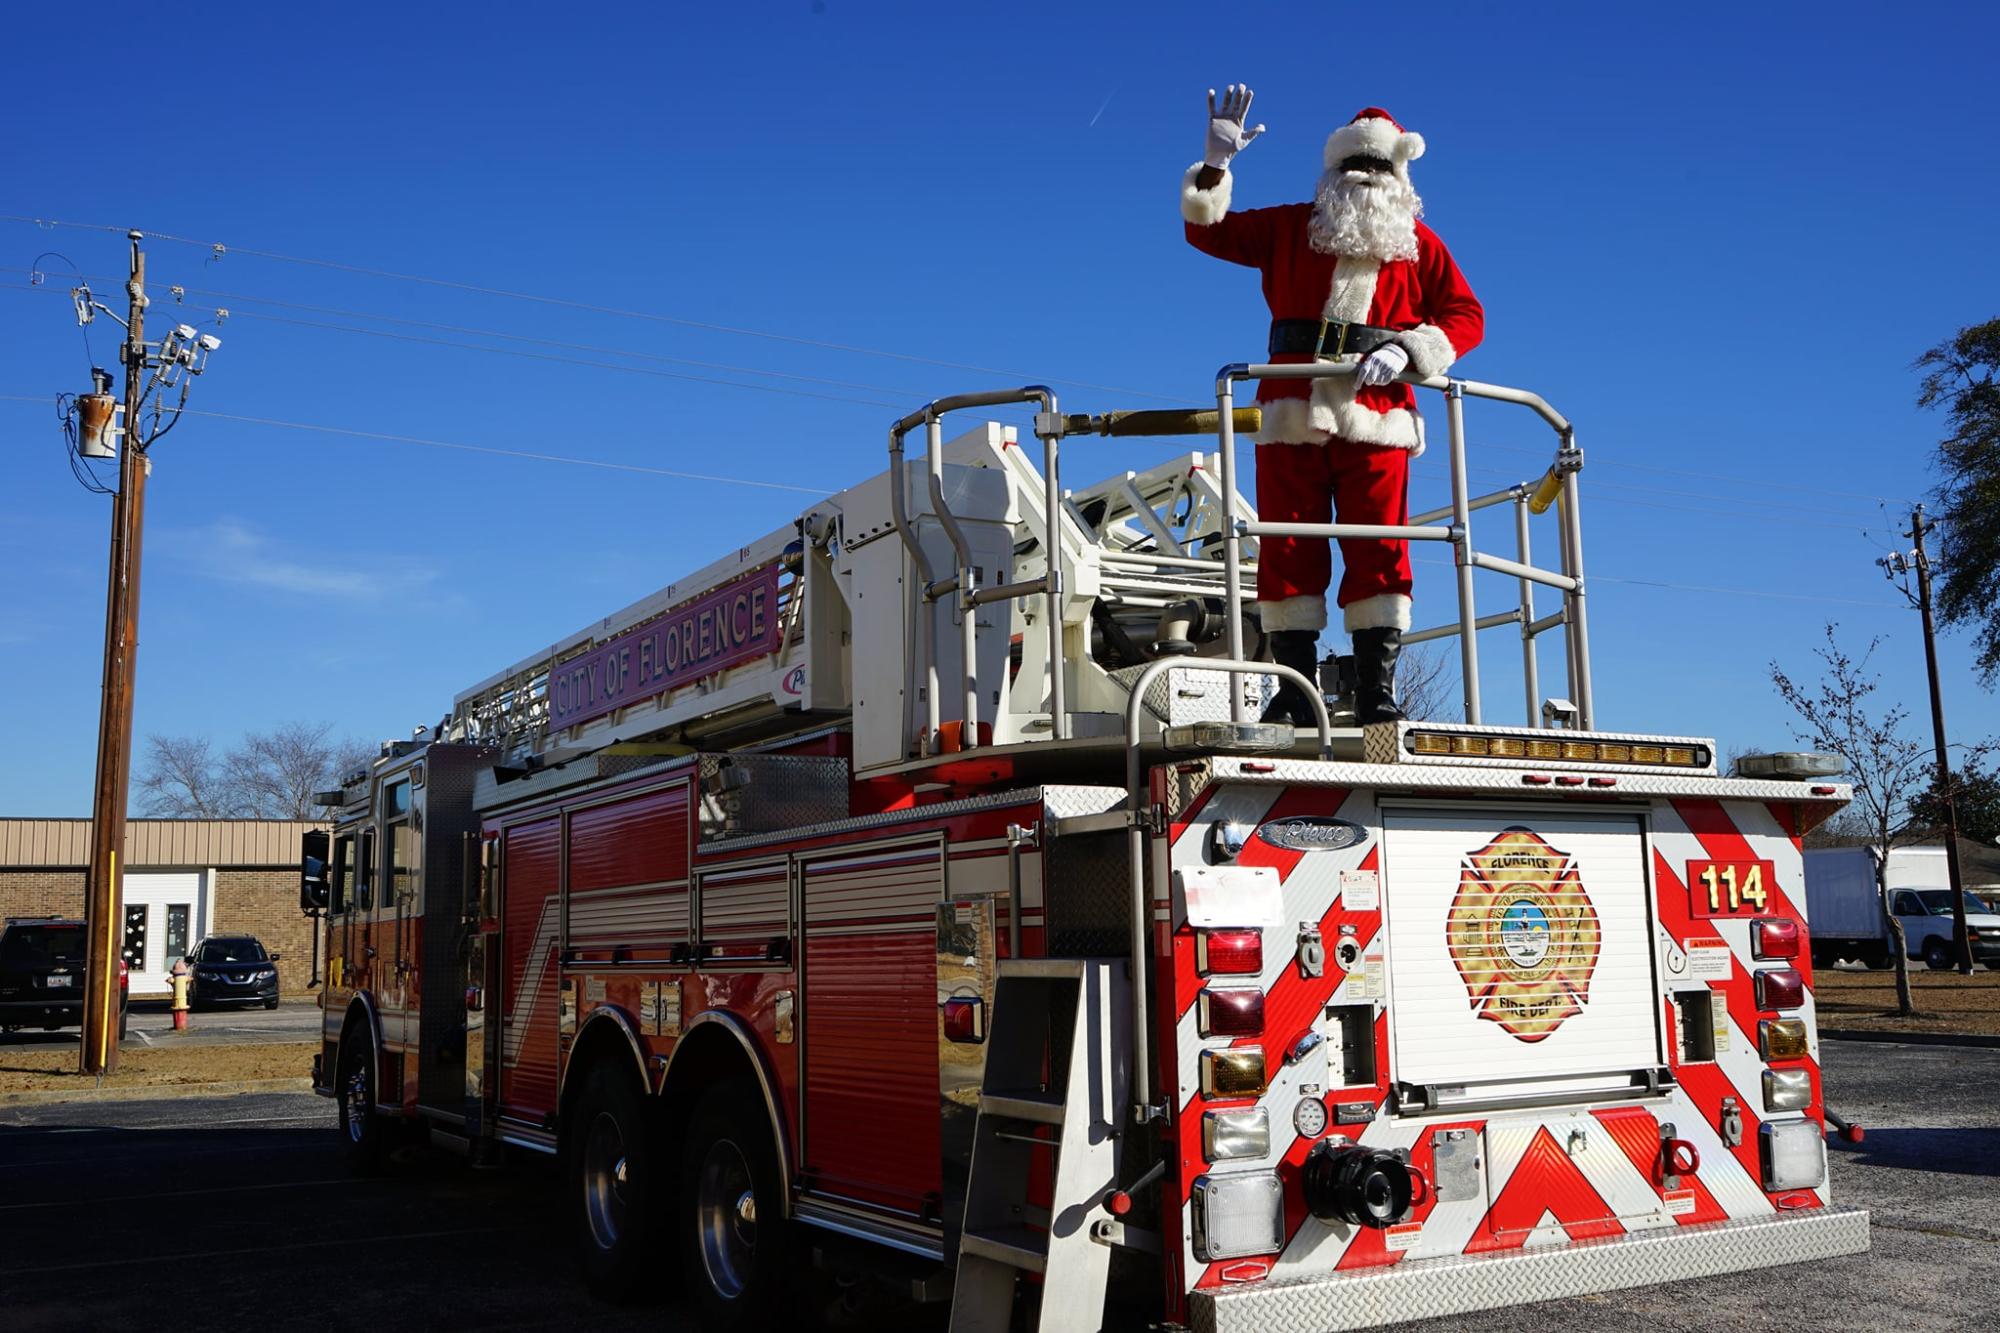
{"x": 914, "y": 886}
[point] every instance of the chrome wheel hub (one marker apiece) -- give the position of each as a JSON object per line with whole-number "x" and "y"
{"x": 606, "y": 1178}
{"x": 358, "y": 1109}
{"x": 726, "y": 1218}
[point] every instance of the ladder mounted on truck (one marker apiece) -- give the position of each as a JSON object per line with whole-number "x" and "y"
{"x": 972, "y": 599}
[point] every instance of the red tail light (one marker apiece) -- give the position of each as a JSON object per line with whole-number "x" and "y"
{"x": 124, "y": 978}
{"x": 1231, "y": 1012}
{"x": 964, "y": 1020}
{"x": 1774, "y": 937}
{"x": 1231, "y": 953}
{"x": 1780, "y": 988}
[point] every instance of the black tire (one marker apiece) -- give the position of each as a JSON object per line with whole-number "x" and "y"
{"x": 271, "y": 1003}
{"x": 124, "y": 1021}
{"x": 362, "y": 1130}
{"x": 1878, "y": 959}
{"x": 1824, "y": 958}
{"x": 617, "y": 1178}
{"x": 738, "y": 1267}
{"x": 1937, "y": 954}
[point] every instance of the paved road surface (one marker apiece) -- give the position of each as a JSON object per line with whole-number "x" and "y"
{"x": 264, "y": 1222}
{"x": 152, "y": 1024}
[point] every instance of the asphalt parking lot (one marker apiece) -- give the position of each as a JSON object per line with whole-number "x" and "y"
{"x": 130, "y": 1213}
{"x": 151, "y": 1023}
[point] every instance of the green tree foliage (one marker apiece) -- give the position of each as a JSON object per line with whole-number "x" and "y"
{"x": 1977, "y": 798}
{"x": 1962, "y": 375}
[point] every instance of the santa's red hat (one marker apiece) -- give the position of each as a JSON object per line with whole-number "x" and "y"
{"x": 1374, "y": 133}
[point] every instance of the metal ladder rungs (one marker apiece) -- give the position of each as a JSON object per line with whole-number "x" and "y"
{"x": 1017, "y": 1247}
{"x": 1045, "y": 1108}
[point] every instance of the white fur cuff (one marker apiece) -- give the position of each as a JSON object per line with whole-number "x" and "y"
{"x": 1205, "y": 208}
{"x": 1431, "y": 353}
{"x": 1298, "y": 613}
{"x": 1389, "y": 610}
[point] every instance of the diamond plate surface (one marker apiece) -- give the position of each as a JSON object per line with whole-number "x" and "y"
{"x": 1412, "y": 777}
{"x": 784, "y": 791}
{"x": 1065, "y": 802}
{"x": 1176, "y": 698}
{"x": 1427, "y": 1288}
{"x": 1087, "y": 895}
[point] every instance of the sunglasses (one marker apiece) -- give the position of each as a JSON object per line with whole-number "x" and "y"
{"x": 1371, "y": 164}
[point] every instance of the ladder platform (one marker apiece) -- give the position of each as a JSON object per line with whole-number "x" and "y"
{"x": 1016, "y": 1247}
{"x": 1044, "y": 969}
{"x": 1044, "y": 1108}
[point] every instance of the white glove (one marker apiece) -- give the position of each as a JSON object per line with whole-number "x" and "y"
{"x": 1382, "y": 365}
{"x": 1226, "y": 135}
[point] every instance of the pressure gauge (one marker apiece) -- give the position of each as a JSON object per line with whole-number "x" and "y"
{"x": 1310, "y": 1117}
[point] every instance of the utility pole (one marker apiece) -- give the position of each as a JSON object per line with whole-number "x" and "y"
{"x": 104, "y": 910}
{"x": 1919, "y": 559}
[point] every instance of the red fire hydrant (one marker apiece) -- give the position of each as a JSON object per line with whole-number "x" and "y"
{"x": 181, "y": 981}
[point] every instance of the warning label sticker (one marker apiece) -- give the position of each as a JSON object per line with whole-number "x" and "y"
{"x": 1679, "y": 1202}
{"x": 1360, "y": 890}
{"x": 1706, "y": 958}
{"x": 1398, "y": 1238}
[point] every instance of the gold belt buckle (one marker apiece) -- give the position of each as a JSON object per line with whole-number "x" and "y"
{"x": 1340, "y": 343}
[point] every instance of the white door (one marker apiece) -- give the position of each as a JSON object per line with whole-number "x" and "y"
{"x": 1519, "y": 947}
{"x": 166, "y": 912}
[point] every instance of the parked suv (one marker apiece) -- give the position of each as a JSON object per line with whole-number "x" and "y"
{"x": 42, "y": 960}
{"x": 233, "y": 969}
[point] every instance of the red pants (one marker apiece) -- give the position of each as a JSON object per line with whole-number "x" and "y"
{"x": 1315, "y": 483}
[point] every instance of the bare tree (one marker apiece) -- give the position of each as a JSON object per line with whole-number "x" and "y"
{"x": 269, "y": 775}
{"x": 183, "y": 779}
{"x": 276, "y": 772}
{"x": 1886, "y": 766}
{"x": 1426, "y": 685}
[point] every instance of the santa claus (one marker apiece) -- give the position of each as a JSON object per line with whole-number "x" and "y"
{"x": 1353, "y": 276}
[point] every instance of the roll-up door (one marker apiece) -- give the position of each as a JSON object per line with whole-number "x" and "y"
{"x": 1518, "y": 950}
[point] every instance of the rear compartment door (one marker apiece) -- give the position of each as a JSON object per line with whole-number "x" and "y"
{"x": 1520, "y": 964}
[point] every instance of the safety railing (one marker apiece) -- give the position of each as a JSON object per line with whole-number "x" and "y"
{"x": 1558, "y": 484}
{"x": 1451, "y": 525}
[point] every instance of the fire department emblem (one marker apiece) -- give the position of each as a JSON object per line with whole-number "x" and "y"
{"x": 1523, "y": 934}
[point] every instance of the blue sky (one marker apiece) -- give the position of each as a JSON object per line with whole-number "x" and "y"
{"x": 1715, "y": 236}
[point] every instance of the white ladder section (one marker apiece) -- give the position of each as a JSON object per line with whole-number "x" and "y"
{"x": 1055, "y": 1079}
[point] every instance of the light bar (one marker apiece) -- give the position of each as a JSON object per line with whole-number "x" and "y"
{"x": 1790, "y": 764}
{"x": 1433, "y": 744}
{"x": 1230, "y": 737}
{"x": 1226, "y": 1135}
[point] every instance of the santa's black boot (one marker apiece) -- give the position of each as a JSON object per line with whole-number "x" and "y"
{"x": 1299, "y": 650}
{"x": 1375, "y": 652}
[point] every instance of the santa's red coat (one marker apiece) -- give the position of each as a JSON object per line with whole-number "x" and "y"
{"x": 1427, "y": 298}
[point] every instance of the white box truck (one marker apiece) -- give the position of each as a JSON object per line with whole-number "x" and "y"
{"x": 1845, "y": 908}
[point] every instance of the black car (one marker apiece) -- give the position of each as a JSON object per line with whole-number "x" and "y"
{"x": 42, "y": 963}
{"x": 233, "y": 969}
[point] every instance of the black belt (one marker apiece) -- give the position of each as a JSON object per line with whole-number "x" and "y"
{"x": 1325, "y": 337}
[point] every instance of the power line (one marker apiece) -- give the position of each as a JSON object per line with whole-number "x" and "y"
{"x": 462, "y": 446}
{"x": 218, "y": 250}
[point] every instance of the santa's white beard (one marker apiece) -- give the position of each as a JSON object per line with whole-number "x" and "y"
{"x": 1366, "y": 215}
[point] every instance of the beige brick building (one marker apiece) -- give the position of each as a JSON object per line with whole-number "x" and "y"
{"x": 184, "y": 878}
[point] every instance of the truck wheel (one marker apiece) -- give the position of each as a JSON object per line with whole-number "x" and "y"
{"x": 617, "y": 1185}
{"x": 1937, "y": 955}
{"x": 361, "y": 1126}
{"x": 1824, "y": 957}
{"x": 124, "y": 1019}
{"x": 732, "y": 1213}
{"x": 1877, "y": 959}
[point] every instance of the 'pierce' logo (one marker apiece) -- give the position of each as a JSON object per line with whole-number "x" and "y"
{"x": 1523, "y": 934}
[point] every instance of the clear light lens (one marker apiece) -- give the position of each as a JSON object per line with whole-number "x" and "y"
{"x": 1235, "y": 737}
{"x": 1238, "y": 1215}
{"x": 1235, "y": 1072}
{"x": 1231, "y": 1134}
{"x": 1230, "y": 1013}
{"x": 1782, "y": 1038}
{"x": 1780, "y": 988}
{"x": 1787, "y": 1090}
{"x": 1794, "y": 1154}
{"x": 1235, "y": 953}
{"x": 1775, "y": 937}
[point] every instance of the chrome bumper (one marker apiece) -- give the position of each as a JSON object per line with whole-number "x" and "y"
{"x": 1427, "y": 1288}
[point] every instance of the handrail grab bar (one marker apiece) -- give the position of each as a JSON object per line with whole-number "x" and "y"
{"x": 1135, "y": 836}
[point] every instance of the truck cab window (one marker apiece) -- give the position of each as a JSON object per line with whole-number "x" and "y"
{"x": 364, "y": 869}
{"x": 343, "y": 857}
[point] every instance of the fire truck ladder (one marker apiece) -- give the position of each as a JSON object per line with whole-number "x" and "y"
{"x": 1055, "y": 1080}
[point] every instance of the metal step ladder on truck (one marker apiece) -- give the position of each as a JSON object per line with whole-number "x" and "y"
{"x": 915, "y": 886}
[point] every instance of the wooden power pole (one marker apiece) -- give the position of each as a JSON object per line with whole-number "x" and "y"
{"x": 104, "y": 910}
{"x": 1961, "y": 944}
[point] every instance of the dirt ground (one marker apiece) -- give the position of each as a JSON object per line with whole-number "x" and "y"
{"x": 46, "y": 1068}
{"x": 1865, "y": 1001}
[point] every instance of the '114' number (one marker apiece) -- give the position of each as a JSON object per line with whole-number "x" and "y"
{"x": 1739, "y": 885}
